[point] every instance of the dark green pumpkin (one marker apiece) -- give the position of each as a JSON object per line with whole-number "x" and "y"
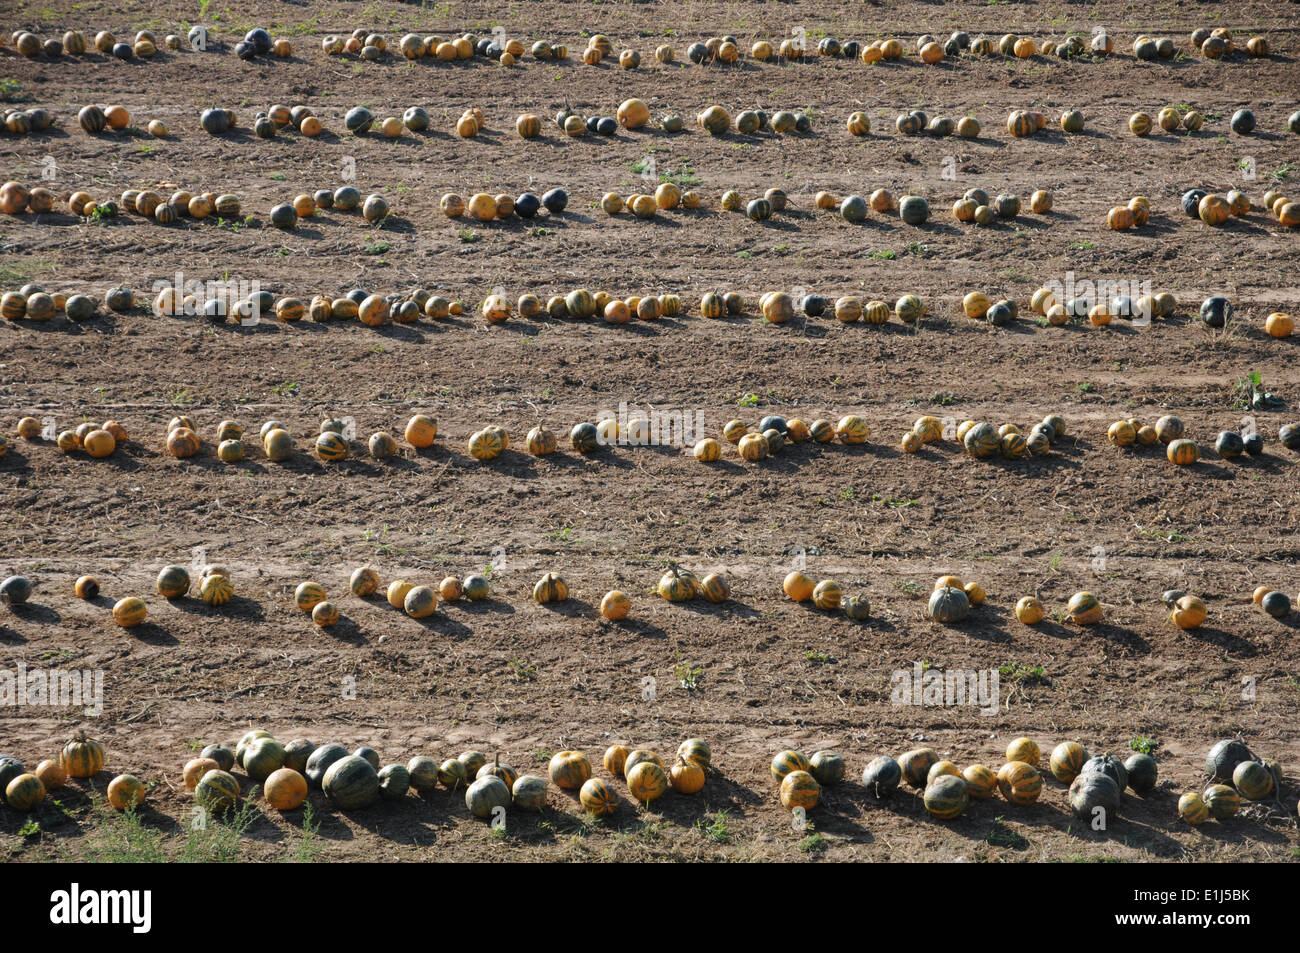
{"x": 948, "y": 605}
{"x": 1091, "y": 791}
{"x": 1108, "y": 765}
{"x": 217, "y": 791}
{"x": 351, "y": 782}
{"x": 487, "y": 794}
{"x": 320, "y": 761}
{"x": 1142, "y": 773}
{"x": 882, "y": 775}
{"x": 423, "y": 772}
{"x": 394, "y": 782}
{"x": 947, "y": 797}
{"x": 853, "y": 209}
{"x": 1289, "y": 436}
{"x": 223, "y": 756}
{"x": 296, "y": 753}
{"x": 827, "y": 767}
{"x": 358, "y": 120}
{"x": 913, "y": 209}
{"x": 262, "y": 757}
{"x": 370, "y": 754}
{"x": 284, "y": 216}
{"x": 10, "y": 768}
{"x": 1007, "y": 205}
{"x": 1224, "y": 758}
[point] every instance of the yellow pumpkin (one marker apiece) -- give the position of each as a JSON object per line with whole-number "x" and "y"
{"x": 1029, "y": 610}
{"x": 798, "y": 586}
{"x": 647, "y": 782}
{"x": 852, "y": 429}
{"x": 615, "y": 605}
{"x": 126, "y": 791}
{"x": 1025, "y": 750}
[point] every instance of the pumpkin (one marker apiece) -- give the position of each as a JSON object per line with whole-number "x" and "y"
{"x": 646, "y": 781}
{"x": 948, "y": 605}
{"x": 1020, "y": 783}
{"x": 909, "y": 309}
{"x": 215, "y": 589}
{"x": 126, "y": 791}
{"x": 1183, "y": 452}
{"x": 52, "y": 774}
{"x": 476, "y": 587}
{"x": 981, "y": 782}
{"x": 598, "y": 797}
{"x": 24, "y": 792}
{"x": 1279, "y": 325}
{"x": 420, "y": 602}
{"x": 852, "y": 429}
{"x": 677, "y": 585}
{"x": 1193, "y": 809}
{"x": 285, "y": 790}
{"x": 128, "y": 613}
{"x": 714, "y": 588}
{"x": 1093, "y": 793}
{"x": 496, "y": 769}
{"x": 569, "y": 769}
{"x": 915, "y": 766}
{"x": 827, "y": 595}
{"x": 173, "y": 582}
{"x": 1068, "y": 759}
{"x": 798, "y": 586}
{"x": 686, "y": 777}
{"x": 799, "y": 789}
{"x": 1107, "y": 765}
{"x": 946, "y": 797}
{"x": 1188, "y": 612}
{"x": 1024, "y": 750}
{"x": 1213, "y": 209}
{"x": 1223, "y": 759}
{"x": 262, "y": 757}
{"x": 913, "y": 209}
{"x": 857, "y": 608}
{"x": 1084, "y": 609}
{"x": 1142, "y": 773}
{"x": 1222, "y": 801}
{"x": 940, "y": 768}
{"x": 784, "y": 762}
{"x": 881, "y": 776}
{"x": 1252, "y": 779}
{"x": 486, "y": 795}
{"x": 351, "y": 782}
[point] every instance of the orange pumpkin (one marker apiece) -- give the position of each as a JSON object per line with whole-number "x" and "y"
{"x": 51, "y": 774}
{"x": 125, "y": 791}
{"x": 686, "y": 777}
{"x": 286, "y": 789}
{"x": 82, "y": 757}
{"x": 195, "y": 769}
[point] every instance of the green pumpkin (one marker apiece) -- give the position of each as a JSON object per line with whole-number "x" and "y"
{"x": 262, "y": 757}
{"x": 916, "y": 765}
{"x": 10, "y": 768}
{"x": 946, "y": 798}
{"x": 485, "y": 795}
{"x": 853, "y": 209}
{"x": 913, "y": 209}
{"x": 296, "y": 753}
{"x": 394, "y": 782}
{"x": 218, "y": 791}
{"x": 472, "y": 760}
{"x": 223, "y": 756}
{"x": 423, "y": 772}
{"x": 1089, "y": 792}
{"x": 827, "y": 767}
{"x": 982, "y": 441}
{"x": 1253, "y": 780}
{"x": 882, "y": 775}
{"x": 1224, "y": 757}
{"x": 1222, "y": 801}
{"x": 320, "y": 761}
{"x": 1142, "y": 773}
{"x": 351, "y": 783}
{"x": 948, "y": 605}
{"x": 370, "y": 754}
{"x": 173, "y": 582}
{"x": 452, "y": 774}
{"x": 529, "y": 793}
{"x": 1108, "y": 765}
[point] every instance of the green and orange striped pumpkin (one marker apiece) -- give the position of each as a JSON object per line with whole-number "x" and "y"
{"x": 946, "y": 797}
{"x": 1183, "y": 452}
{"x": 1067, "y": 761}
{"x": 981, "y": 782}
{"x": 799, "y": 789}
{"x": 570, "y": 769}
{"x": 1084, "y": 609}
{"x": 647, "y": 781}
{"x": 916, "y": 766}
{"x": 784, "y": 762}
{"x": 173, "y": 582}
{"x": 1020, "y": 783}
{"x": 598, "y": 797}
{"x": 218, "y": 791}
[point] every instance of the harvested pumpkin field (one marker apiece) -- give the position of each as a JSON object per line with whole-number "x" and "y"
{"x": 1085, "y": 505}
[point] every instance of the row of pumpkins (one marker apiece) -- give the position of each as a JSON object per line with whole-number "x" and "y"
{"x": 356, "y": 780}
{"x": 80, "y": 758}
{"x": 1096, "y": 784}
{"x": 1215, "y": 209}
{"x": 144, "y": 45}
{"x": 947, "y": 789}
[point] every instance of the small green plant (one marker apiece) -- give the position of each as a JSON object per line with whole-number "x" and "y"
{"x": 468, "y": 236}
{"x": 1084, "y": 245}
{"x": 285, "y": 389}
{"x": 883, "y": 254}
{"x": 687, "y": 677}
{"x": 749, "y": 400}
{"x": 813, "y": 843}
{"x": 522, "y": 671}
{"x": 820, "y": 658}
{"x": 1144, "y": 745}
{"x": 376, "y": 248}
{"x": 1086, "y": 387}
{"x": 1023, "y": 674}
{"x": 714, "y": 826}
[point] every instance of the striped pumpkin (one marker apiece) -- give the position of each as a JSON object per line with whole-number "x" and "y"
{"x": 695, "y": 750}
{"x": 916, "y": 766}
{"x": 828, "y": 595}
{"x": 217, "y": 791}
{"x": 550, "y": 588}
{"x": 173, "y": 582}
{"x": 569, "y": 769}
{"x": 1193, "y": 809}
{"x": 859, "y": 124}
{"x": 1020, "y": 783}
{"x": 1222, "y": 801}
{"x": 1183, "y": 452}
{"x": 707, "y": 450}
{"x": 1067, "y": 761}
{"x": 1024, "y": 750}
{"x": 785, "y": 762}
{"x": 1139, "y": 124}
{"x": 647, "y": 781}
{"x": 946, "y": 797}
{"x": 598, "y": 797}
{"x": 909, "y": 309}
{"x": 128, "y": 613}
{"x": 82, "y": 757}
{"x": 981, "y": 782}
{"x": 753, "y": 447}
{"x": 484, "y": 445}
{"x": 876, "y": 312}
{"x": 614, "y": 760}
{"x": 183, "y": 442}
{"x": 714, "y": 588}
{"x": 1020, "y": 124}
{"x": 308, "y": 595}
{"x": 822, "y": 431}
{"x": 364, "y": 582}
{"x": 420, "y": 602}
{"x": 331, "y": 447}
{"x": 712, "y": 306}
{"x": 799, "y": 789}
{"x": 215, "y": 589}
{"x": 325, "y": 614}
{"x": 852, "y": 429}
{"x": 1084, "y": 609}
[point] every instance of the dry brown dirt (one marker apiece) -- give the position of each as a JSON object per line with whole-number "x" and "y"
{"x": 527, "y": 680}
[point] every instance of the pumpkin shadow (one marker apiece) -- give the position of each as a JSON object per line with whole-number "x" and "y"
{"x": 10, "y": 637}
{"x": 239, "y": 607}
{"x": 1236, "y": 645}
{"x": 150, "y": 633}
{"x": 1121, "y": 635}
{"x": 638, "y": 627}
{"x": 37, "y": 613}
{"x": 492, "y": 604}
